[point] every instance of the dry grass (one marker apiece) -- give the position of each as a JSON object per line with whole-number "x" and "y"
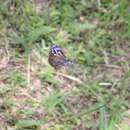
{"x": 91, "y": 94}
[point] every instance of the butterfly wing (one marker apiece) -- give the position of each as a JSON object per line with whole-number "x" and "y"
{"x": 56, "y": 56}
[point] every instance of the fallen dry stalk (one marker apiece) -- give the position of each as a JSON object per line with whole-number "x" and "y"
{"x": 70, "y": 77}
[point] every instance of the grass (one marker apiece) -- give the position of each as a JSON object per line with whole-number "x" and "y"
{"x": 93, "y": 94}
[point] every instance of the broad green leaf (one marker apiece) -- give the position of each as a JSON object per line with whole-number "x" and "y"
{"x": 27, "y": 123}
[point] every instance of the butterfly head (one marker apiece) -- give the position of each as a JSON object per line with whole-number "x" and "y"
{"x": 55, "y": 49}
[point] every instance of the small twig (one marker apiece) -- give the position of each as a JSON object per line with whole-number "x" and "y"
{"x": 99, "y": 3}
{"x": 106, "y": 58}
{"x": 105, "y": 84}
{"x": 29, "y": 96}
{"x": 7, "y": 48}
{"x": 28, "y": 70}
{"x": 112, "y": 66}
{"x": 103, "y": 10}
{"x": 70, "y": 77}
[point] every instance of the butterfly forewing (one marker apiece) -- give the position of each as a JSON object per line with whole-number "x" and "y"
{"x": 56, "y": 57}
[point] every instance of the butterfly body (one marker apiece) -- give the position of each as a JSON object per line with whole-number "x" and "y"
{"x": 57, "y": 58}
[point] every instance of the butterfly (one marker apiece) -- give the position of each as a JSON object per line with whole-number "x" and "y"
{"x": 57, "y": 59}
